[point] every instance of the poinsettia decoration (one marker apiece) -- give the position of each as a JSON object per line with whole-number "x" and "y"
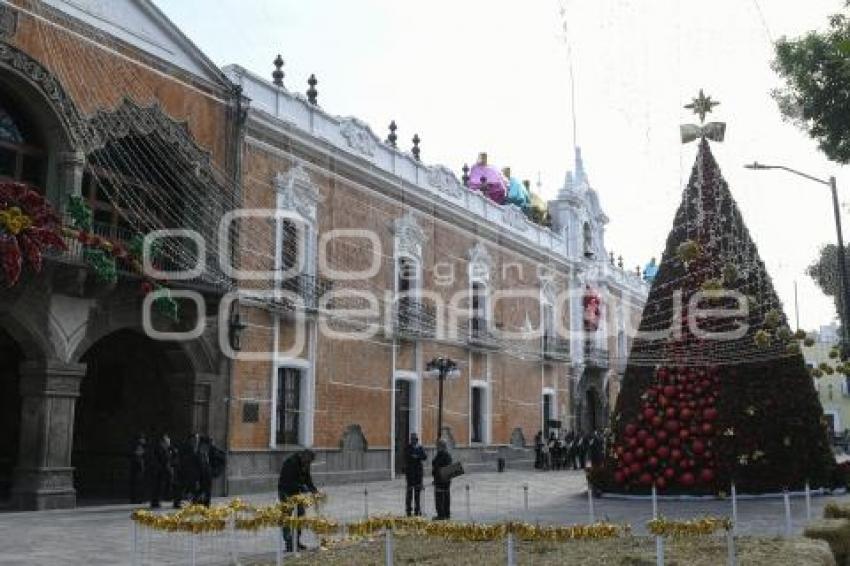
{"x": 28, "y": 227}
{"x": 592, "y": 304}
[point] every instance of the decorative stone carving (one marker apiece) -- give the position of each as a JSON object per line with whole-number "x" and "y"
{"x": 480, "y": 262}
{"x": 517, "y": 438}
{"x": 442, "y": 179}
{"x": 358, "y": 136}
{"x": 44, "y": 81}
{"x": 548, "y": 291}
{"x": 353, "y": 439}
{"x": 297, "y": 192}
{"x": 131, "y": 119}
{"x": 514, "y": 217}
{"x": 8, "y": 22}
{"x": 409, "y": 236}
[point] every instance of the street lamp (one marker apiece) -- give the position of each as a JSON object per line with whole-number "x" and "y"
{"x": 441, "y": 368}
{"x": 844, "y": 304}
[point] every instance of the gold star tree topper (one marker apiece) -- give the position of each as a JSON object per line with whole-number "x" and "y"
{"x": 702, "y": 105}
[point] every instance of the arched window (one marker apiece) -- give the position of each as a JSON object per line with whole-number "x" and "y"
{"x": 22, "y": 155}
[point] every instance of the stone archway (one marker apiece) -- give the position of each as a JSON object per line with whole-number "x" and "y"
{"x": 137, "y": 386}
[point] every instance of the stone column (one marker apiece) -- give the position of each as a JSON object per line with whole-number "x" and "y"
{"x": 44, "y": 477}
{"x": 70, "y": 166}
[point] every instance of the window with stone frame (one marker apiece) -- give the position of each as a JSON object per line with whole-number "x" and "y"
{"x": 288, "y": 406}
{"x": 22, "y": 155}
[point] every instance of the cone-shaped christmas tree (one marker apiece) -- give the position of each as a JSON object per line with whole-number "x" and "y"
{"x": 709, "y": 398}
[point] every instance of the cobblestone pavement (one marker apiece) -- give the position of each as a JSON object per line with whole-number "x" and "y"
{"x": 104, "y": 535}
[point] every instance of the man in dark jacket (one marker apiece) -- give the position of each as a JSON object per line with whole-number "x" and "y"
{"x": 413, "y": 458}
{"x": 137, "y": 469}
{"x": 442, "y": 488}
{"x": 538, "y": 450}
{"x": 161, "y": 472}
{"x": 204, "y": 467}
{"x": 295, "y": 478}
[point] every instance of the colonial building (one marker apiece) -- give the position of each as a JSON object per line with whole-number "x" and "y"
{"x": 300, "y": 273}
{"x": 109, "y": 103}
{"x": 456, "y": 274}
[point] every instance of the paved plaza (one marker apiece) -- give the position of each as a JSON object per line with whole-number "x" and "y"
{"x": 104, "y": 535}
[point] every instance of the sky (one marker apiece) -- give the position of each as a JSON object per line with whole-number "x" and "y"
{"x": 493, "y": 75}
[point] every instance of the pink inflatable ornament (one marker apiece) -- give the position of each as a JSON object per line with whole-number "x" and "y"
{"x": 488, "y": 179}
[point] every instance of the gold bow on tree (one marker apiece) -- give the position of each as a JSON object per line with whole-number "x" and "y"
{"x": 713, "y": 131}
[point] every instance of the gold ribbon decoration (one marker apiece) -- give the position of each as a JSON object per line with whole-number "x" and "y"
{"x": 714, "y": 131}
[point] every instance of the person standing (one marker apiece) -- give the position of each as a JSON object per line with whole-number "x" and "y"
{"x": 582, "y": 451}
{"x": 413, "y": 459}
{"x": 538, "y": 450}
{"x": 295, "y": 478}
{"x": 161, "y": 471}
{"x": 137, "y": 469}
{"x": 442, "y": 487}
{"x": 205, "y": 474}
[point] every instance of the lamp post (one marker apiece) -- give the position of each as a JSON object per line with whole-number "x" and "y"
{"x": 843, "y": 303}
{"x": 441, "y": 368}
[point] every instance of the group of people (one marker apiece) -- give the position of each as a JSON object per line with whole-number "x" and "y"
{"x": 571, "y": 450}
{"x": 161, "y": 471}
{"x": 414, "y": 460}
{"x": 296, "y": 478}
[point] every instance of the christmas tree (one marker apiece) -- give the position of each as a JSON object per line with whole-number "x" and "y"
{"x": 716, "y": 390}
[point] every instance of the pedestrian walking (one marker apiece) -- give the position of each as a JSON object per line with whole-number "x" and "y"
{"x": 137, "y": 468}
{"x": 295, "y": 478}
{"x": 442, "y": 481}
{"x": 413, "y": 460}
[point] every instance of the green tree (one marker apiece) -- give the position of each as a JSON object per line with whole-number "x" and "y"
{"x": 824, "y": 271}
{"x": 816, "y": 94}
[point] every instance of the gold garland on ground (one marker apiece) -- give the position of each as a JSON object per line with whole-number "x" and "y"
{"x": 694, "y": 527}
{"x": 198, "y": 519}
{"x": 484, "y": 532}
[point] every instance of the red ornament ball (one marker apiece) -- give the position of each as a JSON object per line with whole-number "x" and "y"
{"x": 687, "y": 479}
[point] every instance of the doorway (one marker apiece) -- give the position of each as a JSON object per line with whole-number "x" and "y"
{"x": 547, "y": 414}
{"x": 592, "y": 405}
{"x": 403, "y": 412}
{"x": 130, "y": 388}
{"x": 10, "y": 410}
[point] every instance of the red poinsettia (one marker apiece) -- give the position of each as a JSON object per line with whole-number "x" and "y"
{"x": 28, "y": 226}
{"x": 591, "y": 303}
